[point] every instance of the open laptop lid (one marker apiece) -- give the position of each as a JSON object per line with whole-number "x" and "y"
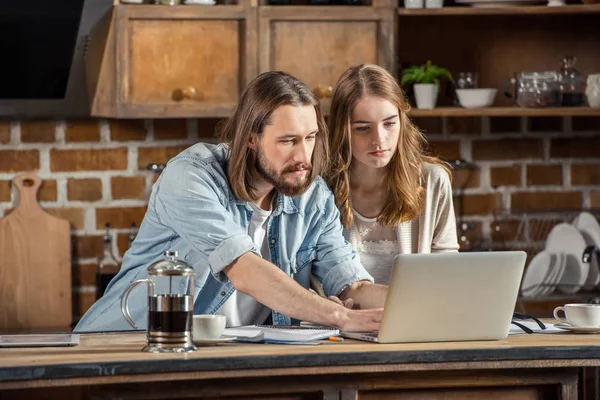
{"x": 451, "y": 296}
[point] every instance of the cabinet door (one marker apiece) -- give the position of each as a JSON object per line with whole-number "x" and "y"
{"x": 317, "y": 44}
{"x": 184, "y": 61}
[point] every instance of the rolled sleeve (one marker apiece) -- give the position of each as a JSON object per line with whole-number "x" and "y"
{"x": 190, "y": 201}
{"x": 227, "y": 252}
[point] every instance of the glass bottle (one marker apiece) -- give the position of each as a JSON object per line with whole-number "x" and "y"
{"x": 571, "y": 83}
{"x": 132, "y": 235}
{"x": 108, "y": 266}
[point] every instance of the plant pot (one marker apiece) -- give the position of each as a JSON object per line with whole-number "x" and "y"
{"x": 413, "y": 3}
{"x": 426, "y": 95}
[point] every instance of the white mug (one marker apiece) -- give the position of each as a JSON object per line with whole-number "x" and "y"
{"x": 208, "y": 326}
{"x": 580, "y": 315}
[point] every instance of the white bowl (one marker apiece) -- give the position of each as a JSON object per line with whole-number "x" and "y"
{"x": 476, "y": 98}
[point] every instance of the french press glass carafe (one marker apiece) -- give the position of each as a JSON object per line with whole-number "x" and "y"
{"x": 170, "y": 305}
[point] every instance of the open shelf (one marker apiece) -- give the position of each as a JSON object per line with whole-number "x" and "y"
{"x": 506, "y": 112}
{"x": 524, "y": 10}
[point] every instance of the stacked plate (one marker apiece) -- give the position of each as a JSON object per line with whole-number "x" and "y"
{"x": 560, "y": 265}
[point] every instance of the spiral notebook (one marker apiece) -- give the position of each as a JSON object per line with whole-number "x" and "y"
{"x": 280, "y": 333}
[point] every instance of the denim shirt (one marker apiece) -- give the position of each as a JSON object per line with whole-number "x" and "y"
{"x": 193, "y": 211}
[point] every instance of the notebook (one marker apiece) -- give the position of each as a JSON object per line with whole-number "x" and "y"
{"x": 280, "y": 333}
{"x": 39, "y": 340}
{"x": 442, "y": 297}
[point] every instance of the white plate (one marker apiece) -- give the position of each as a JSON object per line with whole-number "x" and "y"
{"x": 537, "y": 273}
{"x": 560, "y": 263}
{"x": 578, "y": 329}
{"x": 557, "y": 267}
{"x": 589, "y": 227}
{"x": 565, "y": 238}
{"x": 222, "y": 339}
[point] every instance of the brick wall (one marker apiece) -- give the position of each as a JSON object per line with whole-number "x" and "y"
{"x": 94, "y": 171}
{"x": 530, "y": 164}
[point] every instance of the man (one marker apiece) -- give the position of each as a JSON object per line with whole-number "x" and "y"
{"x": 254, "y": 220}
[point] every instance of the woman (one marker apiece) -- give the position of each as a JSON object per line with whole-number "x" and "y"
{"x": 392, "y": 197}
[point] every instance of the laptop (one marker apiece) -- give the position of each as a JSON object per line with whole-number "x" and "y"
{"x": 441, "y": 297}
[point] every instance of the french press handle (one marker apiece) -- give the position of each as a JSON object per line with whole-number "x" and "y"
{"x": 125, "y": 298}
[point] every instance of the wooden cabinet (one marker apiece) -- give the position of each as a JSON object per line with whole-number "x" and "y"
{"x": 193, "y": 61}
{"x": 317, "y": 44}
{"x": 187, "y": 61}
{"x": 148, "y": 61}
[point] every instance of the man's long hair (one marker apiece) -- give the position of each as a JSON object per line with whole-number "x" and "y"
{"x": 263, "y": 95}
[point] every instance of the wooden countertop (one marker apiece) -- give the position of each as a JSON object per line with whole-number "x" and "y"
{"x": 117, "y": 357}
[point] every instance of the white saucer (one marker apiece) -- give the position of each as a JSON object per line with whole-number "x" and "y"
{"x": 578, "y": 329}
{"x": 222, "y": 339}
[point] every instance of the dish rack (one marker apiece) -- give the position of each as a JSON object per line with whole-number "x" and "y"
{"x": 527, "y": 231}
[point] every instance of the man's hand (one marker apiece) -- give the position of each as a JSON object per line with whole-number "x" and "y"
{"x": 362, "y": 320}
{"x": 256, "y": 277}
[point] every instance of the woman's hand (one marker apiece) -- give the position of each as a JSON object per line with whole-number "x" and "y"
{"x": 348, "y": 303}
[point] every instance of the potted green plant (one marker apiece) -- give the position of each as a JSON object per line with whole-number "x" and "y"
{"x": 426, "y": 82}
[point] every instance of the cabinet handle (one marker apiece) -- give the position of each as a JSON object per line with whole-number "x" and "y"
{"x": 323, "y": 91}
{"x": 188, "y": 93}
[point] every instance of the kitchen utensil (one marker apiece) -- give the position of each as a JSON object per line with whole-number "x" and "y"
{"x": 534, "y": 89}
{"x": 35, "y": 264}
{"x": 170, "y": 285}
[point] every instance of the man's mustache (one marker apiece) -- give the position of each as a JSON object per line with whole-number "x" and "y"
{"x": 297, "y": 167}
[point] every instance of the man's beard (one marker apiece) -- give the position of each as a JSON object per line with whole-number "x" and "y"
{"x": 277, "y": 179}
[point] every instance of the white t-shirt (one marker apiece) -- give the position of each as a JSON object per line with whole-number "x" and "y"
{"x": 240, "y": 308}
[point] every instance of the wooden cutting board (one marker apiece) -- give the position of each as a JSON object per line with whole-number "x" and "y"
{"x": 35, "y": 264}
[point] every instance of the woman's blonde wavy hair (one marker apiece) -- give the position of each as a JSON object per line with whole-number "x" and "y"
{"x": 405, "y": 196}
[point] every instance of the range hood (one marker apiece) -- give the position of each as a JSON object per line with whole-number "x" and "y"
{"x": 43, "y": 44}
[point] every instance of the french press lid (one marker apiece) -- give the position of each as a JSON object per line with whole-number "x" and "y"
{"x": 170, "y": 266}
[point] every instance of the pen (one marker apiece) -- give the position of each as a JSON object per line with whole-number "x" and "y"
{"x": 335, "y": 339}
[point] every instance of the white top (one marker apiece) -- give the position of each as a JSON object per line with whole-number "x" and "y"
{"x": 240, "y": 308}
{"x": 377, "y": 245}
{"x": 431, "y": 232}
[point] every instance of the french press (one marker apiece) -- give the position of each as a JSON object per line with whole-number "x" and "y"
{"x": 170, "y": 285}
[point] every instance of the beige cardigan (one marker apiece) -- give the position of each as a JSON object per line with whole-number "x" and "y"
{"x": 436, "y": 225}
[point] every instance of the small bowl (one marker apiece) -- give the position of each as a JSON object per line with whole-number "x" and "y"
{"x": 476, "y": 98}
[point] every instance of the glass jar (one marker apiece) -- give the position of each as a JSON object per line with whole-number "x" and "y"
{"x": 466, "y": 80}
{"x": 572, "y": 84}
{"x": 535, "y": 89}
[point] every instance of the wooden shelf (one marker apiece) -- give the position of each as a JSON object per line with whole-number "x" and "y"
{"x": 506, "y": 112}
{"x": 524, "y": 10}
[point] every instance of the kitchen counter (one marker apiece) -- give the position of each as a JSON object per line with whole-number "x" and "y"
{"x": 112, "y": 365}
